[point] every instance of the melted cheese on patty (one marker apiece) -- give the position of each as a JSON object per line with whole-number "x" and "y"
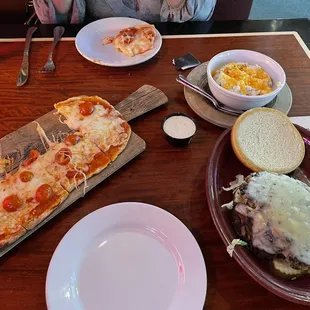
{"x": 283, "y": 208}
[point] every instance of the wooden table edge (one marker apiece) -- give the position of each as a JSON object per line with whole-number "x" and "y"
{"x": 189, "y": 36}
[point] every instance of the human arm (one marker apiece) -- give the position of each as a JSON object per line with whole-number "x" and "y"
{"x": 186, "y": 10}
{"x": 59, "y": 11}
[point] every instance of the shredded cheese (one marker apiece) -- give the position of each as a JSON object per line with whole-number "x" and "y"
{"x": 61, "y": 135}
{"x": 77, "y": 171}
{"x": 5, "y": 163}
{"x": 228, "y": 205}
{"x": 60, "y": 120}
{"x": 75, "y": 183}
{"x": 85, "y": 182}
{"x": 43, "y": 136}
{"x": 54, "y": 138}
{"x": 232, "y": 185}
{"x": 230, "y": 248}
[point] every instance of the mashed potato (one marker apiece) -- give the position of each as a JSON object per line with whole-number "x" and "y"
{"x": 244, "y": 79}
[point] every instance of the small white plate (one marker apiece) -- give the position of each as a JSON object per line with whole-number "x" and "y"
{"x": 89, "y": 42}
{"x": 131, "y": 256}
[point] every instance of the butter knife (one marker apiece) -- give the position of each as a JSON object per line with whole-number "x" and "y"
{"x": 23, "y": 73}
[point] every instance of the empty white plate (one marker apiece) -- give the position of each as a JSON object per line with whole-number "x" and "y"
{"x": 89, "y": 42}
{"x": 131, "y": 256}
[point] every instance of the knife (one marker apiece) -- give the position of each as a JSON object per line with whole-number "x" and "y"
{"x": 23, "y": 73}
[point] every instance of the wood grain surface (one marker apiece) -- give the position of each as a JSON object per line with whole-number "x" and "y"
{"x": 171, "y": 178}
{"x": 143, "y": 100}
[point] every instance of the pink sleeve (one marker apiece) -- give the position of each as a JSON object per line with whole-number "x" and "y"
{"x": 48, "y": 15}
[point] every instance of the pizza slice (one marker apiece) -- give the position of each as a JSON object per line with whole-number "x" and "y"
{"x": 5, "y": 163}
{"x": 98, "y": 121}
{"x": 31, "y": 194}
{"x": 10, "y": 230}
{"x": 74, "y": 160}
{"x": 134, "y": 40}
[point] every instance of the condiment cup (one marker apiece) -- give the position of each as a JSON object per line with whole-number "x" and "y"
{"x": 179, "y": 129}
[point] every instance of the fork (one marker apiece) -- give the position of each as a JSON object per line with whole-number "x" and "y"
{"x": 50, "y": 66}
{"x": 184, "y": 81}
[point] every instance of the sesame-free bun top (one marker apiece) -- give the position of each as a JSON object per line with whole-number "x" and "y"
{"x": 264, "y": 139}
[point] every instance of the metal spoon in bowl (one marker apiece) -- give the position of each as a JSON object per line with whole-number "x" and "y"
{"x": 184, "y": 81}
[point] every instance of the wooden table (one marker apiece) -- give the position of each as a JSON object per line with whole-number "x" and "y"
{"x": 171, "y": 178}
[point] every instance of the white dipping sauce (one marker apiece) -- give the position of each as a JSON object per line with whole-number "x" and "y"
{"x": 179, "y": 127}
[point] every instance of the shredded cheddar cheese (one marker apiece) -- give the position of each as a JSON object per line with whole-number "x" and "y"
{"x": 244, "y": 79}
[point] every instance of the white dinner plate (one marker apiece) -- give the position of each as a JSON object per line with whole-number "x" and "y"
{"x": 131, "y": 256}
{"x": 89, "y": 42}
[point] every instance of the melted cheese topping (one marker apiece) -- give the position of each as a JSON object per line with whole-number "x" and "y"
{"x": 243, "y": 79}
{"x": 135, "y": 40}
{"x": 74, "y": 119}
{"x": 8, "y": 223}
{"x": 103, "y": 126}
{"x": 82, "y": 154}
{"x": 106, "y": 132}
{"x": 285, "y": 210}
{"x": 4, "y": 163}
{"x": 26, "y": 190}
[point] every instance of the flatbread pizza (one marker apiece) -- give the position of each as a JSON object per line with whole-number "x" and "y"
{"x": 43, "y": 181}
{"x": 31, "y": 194}
{"x": 97, "y": 120}
{"x": 134, "y": 40}
{"x": 74, "y": 160}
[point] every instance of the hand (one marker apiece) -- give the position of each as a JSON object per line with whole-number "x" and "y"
{"x": 62, "y": 6}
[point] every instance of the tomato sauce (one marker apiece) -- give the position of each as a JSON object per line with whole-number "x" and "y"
{"x": 43, "y": 206}
{"x": 100, "y": 160}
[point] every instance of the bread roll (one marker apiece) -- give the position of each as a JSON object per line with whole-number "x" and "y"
{"x": 265, "y": 140}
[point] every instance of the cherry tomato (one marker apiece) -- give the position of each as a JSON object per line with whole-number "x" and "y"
{"x": 34, "y": 154}
{"x": 86, "y": 108}
{"x": 26, "y": 176}
{"x": 72, "y": 139}
{"x": 44, "y": 193}
{"x": 70, "y": 174}
{"x": 62, "y": 157}
{"x": 12, "y": 203}
{"x": 73, "y": 174}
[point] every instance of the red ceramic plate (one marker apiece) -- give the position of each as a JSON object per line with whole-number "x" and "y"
{"x": 223, "y": 168}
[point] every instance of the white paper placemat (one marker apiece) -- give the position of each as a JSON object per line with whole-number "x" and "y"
{"x": 303, "y": 121}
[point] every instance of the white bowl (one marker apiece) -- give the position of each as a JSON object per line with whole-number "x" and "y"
{"x": 243, "y": 102}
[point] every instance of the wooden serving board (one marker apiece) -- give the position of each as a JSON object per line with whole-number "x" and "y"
{"x": 19, "y": 143}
